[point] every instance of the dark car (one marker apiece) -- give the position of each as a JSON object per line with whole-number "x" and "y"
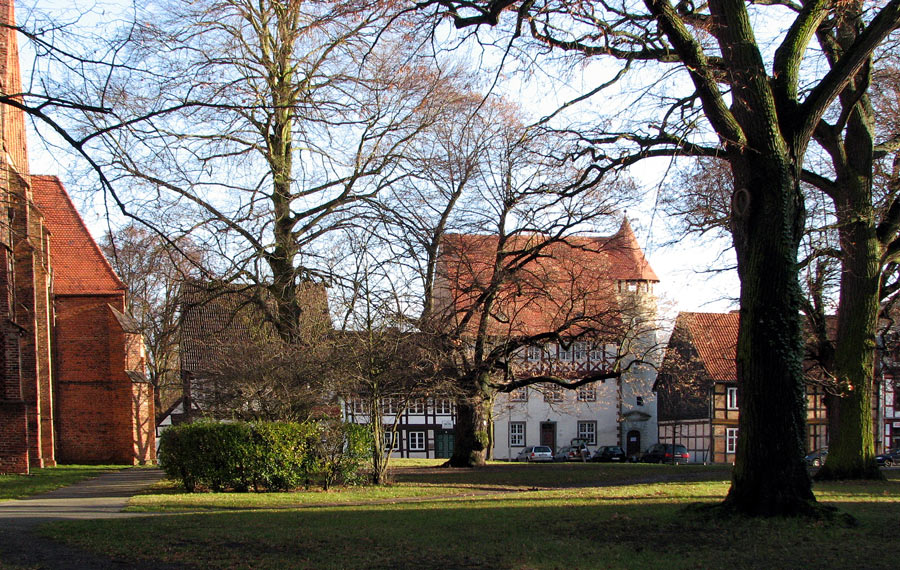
{"x": 817, "y": 457}
{"x": 665, "y": 453}
{"x": 572, "y": 453}
{"x": 608, "y": 453}
{"x": 889, "y": 458}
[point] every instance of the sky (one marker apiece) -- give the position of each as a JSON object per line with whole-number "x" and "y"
{"x": 683, "y": 268}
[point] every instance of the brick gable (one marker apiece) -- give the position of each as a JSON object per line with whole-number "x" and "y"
{"x": 79, "y": 267}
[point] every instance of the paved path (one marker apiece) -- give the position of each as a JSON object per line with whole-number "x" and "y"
{"x": 101, "y": 498}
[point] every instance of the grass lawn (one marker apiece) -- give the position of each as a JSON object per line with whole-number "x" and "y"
{"x": 49, "y": 478}
{"x": 503, "y": 516}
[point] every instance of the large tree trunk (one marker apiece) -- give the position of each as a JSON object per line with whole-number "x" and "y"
{"x": 770, "y": 475}
{"x": 851, "y": 452}
{"x": 471, "y": 433}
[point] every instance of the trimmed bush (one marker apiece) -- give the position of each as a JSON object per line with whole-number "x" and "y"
{"x": 239, "y": 456}
{"x": 272, "y": 456}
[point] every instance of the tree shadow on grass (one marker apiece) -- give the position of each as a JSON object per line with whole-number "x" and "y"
{"x": 503, "y": 532}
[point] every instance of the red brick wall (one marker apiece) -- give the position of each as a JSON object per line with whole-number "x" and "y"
{"x": 13, "y": 437}
{"x": 13, "y": 119}
{"x": 94, "y": 397}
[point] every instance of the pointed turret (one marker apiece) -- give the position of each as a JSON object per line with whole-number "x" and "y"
{"x": 634, "y": 266}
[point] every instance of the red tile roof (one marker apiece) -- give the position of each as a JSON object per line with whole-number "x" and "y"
{"x": 79, "y": 267}
{"x": 578, "y": 276}
{"x": 714, "y": 335}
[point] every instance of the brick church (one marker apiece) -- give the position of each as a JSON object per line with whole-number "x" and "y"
{"x": 72, "y": 388}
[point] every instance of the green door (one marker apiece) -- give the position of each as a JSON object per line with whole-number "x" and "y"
{"x": 443, "y": 444}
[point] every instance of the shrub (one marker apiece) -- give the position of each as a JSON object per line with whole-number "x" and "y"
{"x": 219, "y": 456}
{"x": 342, "y": 449}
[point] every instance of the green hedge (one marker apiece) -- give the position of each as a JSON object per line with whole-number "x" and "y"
{"x": 270, "y": 456}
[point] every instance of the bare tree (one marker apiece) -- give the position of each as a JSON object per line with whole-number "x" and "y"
{"x": 488, "y": 231}
{"x": 379, "y": 362}
{"x": 266, "y": 122}
{"x": 153, "y": 272}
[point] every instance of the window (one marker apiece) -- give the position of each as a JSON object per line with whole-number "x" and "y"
{"x": 387, "y": 406}
{"x": 731, "y": 435}
{"x": 416, "y": 440}
{"x": 517, "y": 434}
{"x": 587, "y": 393}
{"x": 535, "y": 353}
{"x": 565, "y": 352}
{"x": 417, "y": 407}
{"x": 580, "y": 351}
{"x": 553, "y": 393}
{"x": 358, "y": 407}
{"x": 390, "y": 439}
{"x": 604, "y": 353}
{"x": 731, "y": 398}
{"x": 519, "y": 395}
{"x": 443, "y": 407}
{"x": 588, "y": 432}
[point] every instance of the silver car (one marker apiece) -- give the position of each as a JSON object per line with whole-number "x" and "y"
{"x": 535, "y": 453}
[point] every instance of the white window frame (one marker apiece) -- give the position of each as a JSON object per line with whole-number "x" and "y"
{"x": 535, "y": 353}
{"x": 731, "y": 438}
{"x": 517, "y": 434}
{"x": 443, "y": 407}
{"x": 388, "y": 408}
{"x": 553, "y": 393}
{"x": 519, "y": 395}
{"x": 565, "y": 354}
{"x": 731, "y": 398}
{"x": 587, "y": 393}
{"x": 391, "y": 441}
{"x": 587, "y": 428}
{"x": 415, "y": 440}
{"x": 357, "y": 407}
{"x": 417, "y": 407}
{"x": 580, "y": 351}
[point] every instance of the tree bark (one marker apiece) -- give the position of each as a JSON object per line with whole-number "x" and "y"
{"x": 471, "y": 432}
{"x": 770, "y": 475}
{"x": 851, "y": 452}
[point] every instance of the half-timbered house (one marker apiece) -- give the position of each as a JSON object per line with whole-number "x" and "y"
{"x": 603, "y": 286}
{"x": 698, "y": 394}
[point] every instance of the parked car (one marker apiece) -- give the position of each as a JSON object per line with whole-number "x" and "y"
{"x": 817, "y": 457}
{"x": 535, "y": 453}
{"x": 609, "y": 453}
{"x": 665, "y": 453}
{"x": 889, "y": 458}
{"x": 572, "y": 453}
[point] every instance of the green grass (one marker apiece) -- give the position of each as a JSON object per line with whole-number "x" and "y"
{"x": 416, "y": 479}
{"x": 49, "y": 478}
{"x": 521, "y": 518}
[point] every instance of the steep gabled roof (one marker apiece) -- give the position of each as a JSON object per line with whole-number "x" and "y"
{"x": 79, "y": 267}
{"x": 564, "y": 280}
{"x": 714, "y": 336}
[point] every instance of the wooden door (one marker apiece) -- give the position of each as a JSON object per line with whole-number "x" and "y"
{"x": 443, "y": 444}
{"x": 633, "y": 443}
{"x": 548, "y": 435}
